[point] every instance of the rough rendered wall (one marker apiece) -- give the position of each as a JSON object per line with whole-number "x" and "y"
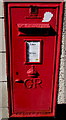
{"x": 65, "y": 55}
{"x": 3, "y": 78}
{"x": 62, "y": 73}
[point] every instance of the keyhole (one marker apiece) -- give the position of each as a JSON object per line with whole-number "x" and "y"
{"x": 34, "y": 10}
{"x": 17, "y": 73}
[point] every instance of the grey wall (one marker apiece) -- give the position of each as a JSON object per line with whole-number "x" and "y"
{"x": 65, "y": 55}
{"x": 3, "y": 78}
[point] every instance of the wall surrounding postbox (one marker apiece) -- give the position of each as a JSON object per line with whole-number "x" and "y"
{"x": 3, "y": 78}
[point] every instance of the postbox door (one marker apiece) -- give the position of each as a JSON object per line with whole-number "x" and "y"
{"x": 33, "y": 48}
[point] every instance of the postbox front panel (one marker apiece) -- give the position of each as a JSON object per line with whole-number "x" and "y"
{"x": 33, "y": 56}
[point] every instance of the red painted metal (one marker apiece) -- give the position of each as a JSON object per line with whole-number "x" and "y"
{"x": 32, "y": 86}
{"x": 33, "y": 25}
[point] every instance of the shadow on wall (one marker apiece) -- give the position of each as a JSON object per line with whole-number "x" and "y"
{"x": 60, "y": 115}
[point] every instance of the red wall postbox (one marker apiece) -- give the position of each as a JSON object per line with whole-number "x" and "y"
{"x": 33, "y": 39}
